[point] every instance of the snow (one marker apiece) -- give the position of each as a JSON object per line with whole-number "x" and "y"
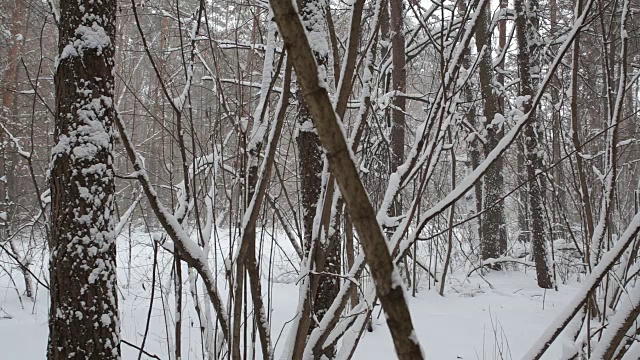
{"x": 590, "y": 283}
{"x": 472, "y": 320}
{"x": 87, "y": 37}
{"x": 313, "y": 19}
{"x": 16, "y": 143}
{"x": 105, "y": 319}
{"x": 629, "y": 302}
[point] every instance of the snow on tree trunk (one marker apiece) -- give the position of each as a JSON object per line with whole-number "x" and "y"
{"x": 494, "y": 241}
{"x": 312, "y": 80}
{"x": 527, "y": 44}
{"x": 324, "y": 289}
{"x": 83, "y": 319}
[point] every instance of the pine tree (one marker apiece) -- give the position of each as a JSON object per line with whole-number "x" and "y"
{"x": 83, "y": 318}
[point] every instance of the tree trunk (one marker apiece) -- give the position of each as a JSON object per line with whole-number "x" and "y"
{"x": 474, "y": 144}
{"x": 575, "y": 139}
{"x": 310, "y": 158}
{"x": 83, "y": 320}
{"x": 494, "y": 239}
{"x": 7, "y": 111}
{"x": 357, "y": 202}
{"x": 526, "y": 22}
{"x": 399, "y": 83}
{"x": 556, "y": 231}
{"x": 11, "y": 74}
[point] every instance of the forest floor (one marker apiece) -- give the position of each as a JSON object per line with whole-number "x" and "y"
{"x": 472, "y": 321}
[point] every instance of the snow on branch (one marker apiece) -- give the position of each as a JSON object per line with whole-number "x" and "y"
{"x": 589, "y": 286}
{"x": 16, "y": 142}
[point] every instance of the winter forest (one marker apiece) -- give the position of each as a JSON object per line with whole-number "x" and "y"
{"x": 319, "y": 179}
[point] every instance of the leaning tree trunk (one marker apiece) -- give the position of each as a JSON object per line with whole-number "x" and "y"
{"x": 83, "y": 319}
{"x": 526, "y": 36}
{"x": 374, "y": 244}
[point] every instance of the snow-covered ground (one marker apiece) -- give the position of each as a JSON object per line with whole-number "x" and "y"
{"x": 472, "y": 321}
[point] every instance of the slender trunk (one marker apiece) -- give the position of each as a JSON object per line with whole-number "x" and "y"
{"x": 474, "y": 145}
{"x": 526, "y": 23}
{"x": 556, "y": 232}
{"x": 327, "y": 259}
{"x": 502, "y": 42}
{"x": 524, "y": 216}
{"x": 575, "y": 139}
{"x": 11, "y": 75}
{"x": 494, "y": 240}
{"x": 178, "y": 304}
{"x": 8, "y": 160}
{"x": 348, "y": 231}
{"x": 399, "y": 85}
{"x": 447, "y": 260}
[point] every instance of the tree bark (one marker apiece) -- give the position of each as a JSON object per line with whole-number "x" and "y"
{"x": 556, "y": 231}
{"x": 494, "y": 239}
{"x": 474, "y": 143}
{"x": 83, "y": 318}
{"x": 575, "y": 139}
{"x": 399, "y": 84}
{"x": 385, "y": 276}
{"x": 310, "y": 166}
{"x": 526, "y": 22}
{"x": 7, "y": 111}
{"x": 11, "y": 74}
